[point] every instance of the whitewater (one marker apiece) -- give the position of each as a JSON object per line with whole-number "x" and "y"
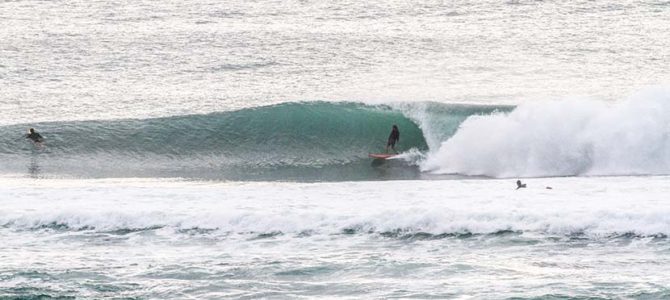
{"x": 387, "y": 239}
{"x": 208, "y": 150}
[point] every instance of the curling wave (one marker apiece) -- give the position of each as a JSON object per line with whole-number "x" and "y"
{"x": 303, "y": 141}
{"x": 330, "y": 141}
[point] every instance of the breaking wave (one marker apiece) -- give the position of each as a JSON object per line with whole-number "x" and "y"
{"x": 304, "y": 141}
{"x": 562, "y": 138}
{"x": 331, "y": 141}
{"x": 402, "y": 224}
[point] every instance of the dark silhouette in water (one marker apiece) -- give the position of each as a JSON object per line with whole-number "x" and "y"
{"x": 393, "y": 138}
{"x": 34, "y": 136}
{"x": 520, "y": 185}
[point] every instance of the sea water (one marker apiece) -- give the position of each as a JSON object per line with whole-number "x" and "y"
{"x": 145, "y": 238}
{"x": 209, "y": 150}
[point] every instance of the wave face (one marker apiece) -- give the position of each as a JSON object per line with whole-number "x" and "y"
{"x": 563, "y": 138}
{"x": 303, "y": 141}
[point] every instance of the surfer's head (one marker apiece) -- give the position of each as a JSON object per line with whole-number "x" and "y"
{"x": 31, "y": 130}
{"x": 395, "y": 126}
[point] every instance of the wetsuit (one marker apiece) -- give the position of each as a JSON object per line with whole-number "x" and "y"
{"x": 393, "y": 137}
{"x": 36, "y": 137}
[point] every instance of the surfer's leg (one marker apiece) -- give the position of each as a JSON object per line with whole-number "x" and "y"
{"x": 389, "y": 144}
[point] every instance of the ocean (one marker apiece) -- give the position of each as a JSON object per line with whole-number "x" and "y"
{"x": 219, "y": 150}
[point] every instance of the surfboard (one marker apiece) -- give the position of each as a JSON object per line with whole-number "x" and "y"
{"x": 39, "y": 145}
{"x": 381, "y": 155}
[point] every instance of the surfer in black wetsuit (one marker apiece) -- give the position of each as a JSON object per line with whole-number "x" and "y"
{"x": 394, "y": 137}
{"x": 520, "y": 185}
{"x": 34, "y": 136}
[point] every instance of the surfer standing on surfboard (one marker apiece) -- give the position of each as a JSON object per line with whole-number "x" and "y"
{"x": 393, "y": 138}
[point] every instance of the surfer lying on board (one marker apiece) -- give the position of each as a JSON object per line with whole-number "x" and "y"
{"x": 393, "y": 138}
{"x": 34, "y": 136}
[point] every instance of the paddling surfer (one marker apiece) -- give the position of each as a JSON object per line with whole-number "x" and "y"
{"x": 520, "y": 185}
{"x": 394, "y": 137}
{"x": 34, "y": 136}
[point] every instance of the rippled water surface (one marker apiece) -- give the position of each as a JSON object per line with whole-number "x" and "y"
{"x": 219, "y": 149}
{"x": 100, "y": 59}
{"x": 416, "y": 239}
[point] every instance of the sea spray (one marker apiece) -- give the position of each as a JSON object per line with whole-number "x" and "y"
{"x": 563, "y": 138}
{"x": 439, "y": 121}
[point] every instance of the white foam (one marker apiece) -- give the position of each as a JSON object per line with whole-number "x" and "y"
{"x": 592, "y": 206}
{"x": 559, "y": 138}
{"x": 412, "y": 156}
